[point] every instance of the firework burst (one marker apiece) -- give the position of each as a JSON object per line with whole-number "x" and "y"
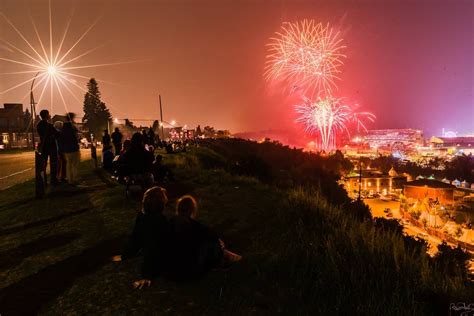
{"x": 305, "y": 54}
{"x": 327, "y": 117}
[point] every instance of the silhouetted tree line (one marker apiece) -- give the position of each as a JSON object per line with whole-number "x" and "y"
{"x": 460, "y": 167}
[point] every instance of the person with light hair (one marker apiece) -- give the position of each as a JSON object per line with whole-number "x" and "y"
{"x": 196, "y": 249}
{"x": 151, "y": 237}
{"x": 70, "y": 148}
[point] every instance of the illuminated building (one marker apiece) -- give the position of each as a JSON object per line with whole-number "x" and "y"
{"x": 393, "y": 138}
{"x": 452, "y": 145}
{"x": 374, "y": 182}
{"x": 431, "y": 189}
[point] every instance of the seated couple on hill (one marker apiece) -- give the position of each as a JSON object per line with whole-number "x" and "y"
{"x": 180, "y": 248}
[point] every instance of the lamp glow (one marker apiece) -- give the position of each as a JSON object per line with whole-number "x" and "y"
{"x": 52, "y": 70}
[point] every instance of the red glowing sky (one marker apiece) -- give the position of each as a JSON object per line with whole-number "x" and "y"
{"x": 409, "y": 62}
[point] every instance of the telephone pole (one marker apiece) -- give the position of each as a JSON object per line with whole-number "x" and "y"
{"x": 161, "y": 119}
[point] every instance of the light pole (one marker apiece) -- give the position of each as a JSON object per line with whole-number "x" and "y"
{"x": 161, "y": 118}
{"x": 39, "y": 165}
{"x": 33, "y": 109}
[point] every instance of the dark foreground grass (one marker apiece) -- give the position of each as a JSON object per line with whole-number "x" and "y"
{"x": 302, "y": 255}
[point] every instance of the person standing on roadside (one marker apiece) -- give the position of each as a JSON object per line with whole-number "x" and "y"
{"x": 117, "y": 141}
{"x": 58, "y": 125}
{"x": 48, "y": 146}
{"x": 70, "y": 146}
{"x": 106, "y": 139}
{"x": 151, "y": 137}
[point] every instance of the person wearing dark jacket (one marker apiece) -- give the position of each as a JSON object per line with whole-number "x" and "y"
{"x": 70, "y": 148}
{"x": 105, "y": 139}
{"x": 160, "y": 171}
{"x": 151, "y": 137}
{"x": 48, "y": 146}
{"x": 138, "y": 161}
{"x": 117, "y": 140}
{"x": 150, "y": 237}
{"x": 61, "y": 176}
{"x": 196, "y": 248}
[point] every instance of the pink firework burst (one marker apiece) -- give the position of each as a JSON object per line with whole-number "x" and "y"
{"x": 305, "y": 54}
{"x": 327, "y": 117}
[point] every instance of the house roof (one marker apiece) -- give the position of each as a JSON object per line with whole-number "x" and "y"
{"x": 430, "y": 183}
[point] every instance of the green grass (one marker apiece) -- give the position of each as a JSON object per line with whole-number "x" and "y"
{"x": 302, "y": 255}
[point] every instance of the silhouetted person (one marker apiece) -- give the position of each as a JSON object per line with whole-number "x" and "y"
{"x": 160, "y": 171}
{"x": 48, "y": 145}
{"x": 145, "y": 137}
{"x": 126, "y": 146}
{"x": 117, "y": 140}
{"x": 151, "y": 237}
{"x": 61, "y": 176}
{"x": 151, "y": 137}
{"x": 70, "y": 146}
{"x": 138, "y": 161}
{"x": 196, "y": 248}
{"x": 107, "y": 158}
{"x": 106, "y": 139}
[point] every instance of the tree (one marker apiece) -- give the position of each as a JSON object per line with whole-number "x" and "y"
{"x": 209, "y": 131}
{"x": 96, "y": 115}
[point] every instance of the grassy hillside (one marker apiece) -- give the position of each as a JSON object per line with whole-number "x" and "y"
{"x": 307, "y": 248}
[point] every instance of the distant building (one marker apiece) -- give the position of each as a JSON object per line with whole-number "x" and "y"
{"x": 431, "y": 189}
{"x": 462, "y": 144}
{"x": 13, "y": 127}
{"x": 373, "y": 182}
{"x": 12, "y": 118}
{"x": 393, "y": 138}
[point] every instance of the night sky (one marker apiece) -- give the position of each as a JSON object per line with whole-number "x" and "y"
{"x": 408, "y": 62}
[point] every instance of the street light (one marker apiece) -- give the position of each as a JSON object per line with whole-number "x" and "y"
{"x": 39, "y": 165}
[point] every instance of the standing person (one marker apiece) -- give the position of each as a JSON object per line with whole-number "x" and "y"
{"x": 48, "y": 146}
{"x": 70, "y": 148}
{"x": 61, "y": 176}
{"x": 151, "y": 137}
{"x": 117, "y": 140}
{"x": 105, "y": 139}
{"x": 145, "y": 137}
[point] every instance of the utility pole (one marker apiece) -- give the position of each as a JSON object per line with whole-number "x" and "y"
{"x": 39, "y": 163}
{"x": 360, "y": 176}
{"x": 161, "y": 119}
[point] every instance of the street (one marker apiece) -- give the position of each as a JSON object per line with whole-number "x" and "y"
{"x": 19, "y": 167}
{"x": 377, "y": 207}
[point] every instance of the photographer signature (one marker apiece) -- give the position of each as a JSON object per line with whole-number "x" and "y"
{"x": 461, "y": 308}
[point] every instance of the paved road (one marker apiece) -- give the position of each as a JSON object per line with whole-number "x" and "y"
{"x": 19, "y": 167}
{"x": 377, "y": 207}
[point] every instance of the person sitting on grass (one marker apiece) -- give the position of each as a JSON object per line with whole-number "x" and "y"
{"x": 107, "y": 158}
{"x": 138, "y": 161}
{"x": 160, "y": 171}
{"x": 151, "y": 237}
{"x": 196, "y": 249}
